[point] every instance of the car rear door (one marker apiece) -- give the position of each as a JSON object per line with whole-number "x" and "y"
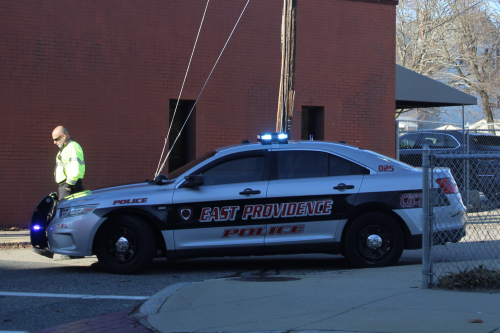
{"x": 309, "y": 193}
{"x": 208, "y": 218}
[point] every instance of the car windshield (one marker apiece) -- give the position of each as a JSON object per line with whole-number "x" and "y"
{"x": 176, "y": 173}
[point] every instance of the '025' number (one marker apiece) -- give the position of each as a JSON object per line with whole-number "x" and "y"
{"x": 385, "y": 168}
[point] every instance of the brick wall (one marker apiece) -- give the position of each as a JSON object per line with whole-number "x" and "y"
{"x": 107, "y": 69}
{"x": 346, "y": 63}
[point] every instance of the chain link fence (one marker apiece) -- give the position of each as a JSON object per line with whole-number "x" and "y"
{"x": 452, "y": 258}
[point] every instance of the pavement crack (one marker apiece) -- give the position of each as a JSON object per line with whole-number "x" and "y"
{"x": 356, "y": 307}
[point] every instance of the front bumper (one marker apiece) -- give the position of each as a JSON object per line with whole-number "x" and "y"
{"x": 73, "y": 236}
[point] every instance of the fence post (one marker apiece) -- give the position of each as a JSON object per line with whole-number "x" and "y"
{"x": 397, "y": 140}
{"x": 426, "y": 220}
{"x": 467, "y": 176}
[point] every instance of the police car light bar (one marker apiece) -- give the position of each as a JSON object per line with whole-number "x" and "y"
{"x": 268, "y": 138}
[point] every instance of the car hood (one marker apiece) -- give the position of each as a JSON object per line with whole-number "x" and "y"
{"x": 134, "y": 194}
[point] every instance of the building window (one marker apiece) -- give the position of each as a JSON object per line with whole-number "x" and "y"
{"x": 184, "y": 149}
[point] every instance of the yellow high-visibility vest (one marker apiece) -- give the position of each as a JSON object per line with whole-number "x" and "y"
{"x": 70, "y": 165}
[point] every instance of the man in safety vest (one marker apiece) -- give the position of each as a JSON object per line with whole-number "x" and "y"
{"x": 70, "y": 165}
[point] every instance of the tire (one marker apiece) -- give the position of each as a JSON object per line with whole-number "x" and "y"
{"x": 135, "y": 251}
{"x": 387, "y": 241}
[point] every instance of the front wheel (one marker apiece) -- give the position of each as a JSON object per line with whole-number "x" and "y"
{"x": 125, "y": 245}
{"x": 373, "y": 240}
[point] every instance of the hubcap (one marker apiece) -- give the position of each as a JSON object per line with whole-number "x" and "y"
{"x": 374, "y": 242}
{"x": 122, "y": 245}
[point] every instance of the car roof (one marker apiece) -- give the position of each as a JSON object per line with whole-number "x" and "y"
{"x": 292, "y": 144}
{"x": 367, "y": 158}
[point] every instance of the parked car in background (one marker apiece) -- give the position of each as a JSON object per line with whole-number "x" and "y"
{"x": 483, "y": 173}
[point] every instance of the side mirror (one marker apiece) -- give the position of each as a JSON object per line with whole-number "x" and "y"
{"x": 161, "y": 180}
{"x": 194, "y": 180}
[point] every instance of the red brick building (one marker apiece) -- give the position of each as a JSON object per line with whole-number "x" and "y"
{"x": 110, "y": 71}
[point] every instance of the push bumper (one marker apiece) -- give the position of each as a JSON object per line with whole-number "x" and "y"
{"x": 40, "y": 220}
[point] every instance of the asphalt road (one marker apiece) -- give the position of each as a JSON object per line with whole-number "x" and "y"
{"x": 23, "y": 271}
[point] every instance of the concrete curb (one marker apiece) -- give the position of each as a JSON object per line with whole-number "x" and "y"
{"x": 152, "y": 306}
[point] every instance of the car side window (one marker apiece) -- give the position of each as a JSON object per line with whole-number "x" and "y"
{"x": 451, "y": 142}
{"x": 302, "y": 164}
{"x": 311, "y": 164}
{"x": 428, "y": 140}
{"x": 409, "y": 141}
{"x": 341, "y": 167}
{"x": 238, "y": 170}
{"x": 437, "y": 141}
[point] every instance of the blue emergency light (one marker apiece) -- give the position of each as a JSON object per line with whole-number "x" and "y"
{"x": 37, "y": 227}
{"x": 268, "y": 138}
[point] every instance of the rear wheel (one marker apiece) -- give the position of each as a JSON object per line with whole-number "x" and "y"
{"x": 125, "y": 245}
{"x": 373, "y": 240}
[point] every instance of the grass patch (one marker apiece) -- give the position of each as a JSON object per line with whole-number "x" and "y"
{"x": 474, "y": 278}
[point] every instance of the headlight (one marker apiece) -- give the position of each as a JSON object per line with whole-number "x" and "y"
{"x": 77, "y": 210}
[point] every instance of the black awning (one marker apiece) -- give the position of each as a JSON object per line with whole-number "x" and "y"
{"x": 414, "y": 90}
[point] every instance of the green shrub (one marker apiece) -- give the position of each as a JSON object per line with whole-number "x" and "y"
{"x": 478, "y": 277}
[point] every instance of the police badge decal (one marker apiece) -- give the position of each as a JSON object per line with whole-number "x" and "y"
{"x": 185, "y": 213}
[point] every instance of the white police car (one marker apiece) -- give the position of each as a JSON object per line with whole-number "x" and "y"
{"x": 272, "y": 197}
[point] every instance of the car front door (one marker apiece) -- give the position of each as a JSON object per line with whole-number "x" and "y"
{"x": 409, "y": 150}
{"x": 209, "y": 219}
{"x": 309, "y": 194}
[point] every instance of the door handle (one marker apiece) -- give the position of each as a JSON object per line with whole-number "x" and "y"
{"x": 249, "y": 191}
{"x": 343, "y": 186}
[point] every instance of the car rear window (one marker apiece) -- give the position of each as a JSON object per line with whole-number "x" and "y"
{"x": 309, "y": 164}
{"x": 487, "y": 140}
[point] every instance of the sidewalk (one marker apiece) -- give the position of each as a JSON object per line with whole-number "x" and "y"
{"x": 366, "y": 300}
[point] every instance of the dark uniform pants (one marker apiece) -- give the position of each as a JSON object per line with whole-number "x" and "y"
{"x": 63, "y": 192}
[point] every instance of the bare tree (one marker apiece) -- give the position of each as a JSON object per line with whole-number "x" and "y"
{"x": 453, "y": 41}
{"x": 417, "y": 27}
{"x": 471, "y": 44}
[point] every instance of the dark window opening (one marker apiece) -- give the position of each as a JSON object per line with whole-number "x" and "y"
{"x": 312, "y": 123}
{"x": 184, "y": 149}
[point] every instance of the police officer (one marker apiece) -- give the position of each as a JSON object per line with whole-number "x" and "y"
{"x": 70, "y": 165}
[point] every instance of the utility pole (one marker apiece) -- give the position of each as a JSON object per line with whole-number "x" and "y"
{"x": 287, "y": 91}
